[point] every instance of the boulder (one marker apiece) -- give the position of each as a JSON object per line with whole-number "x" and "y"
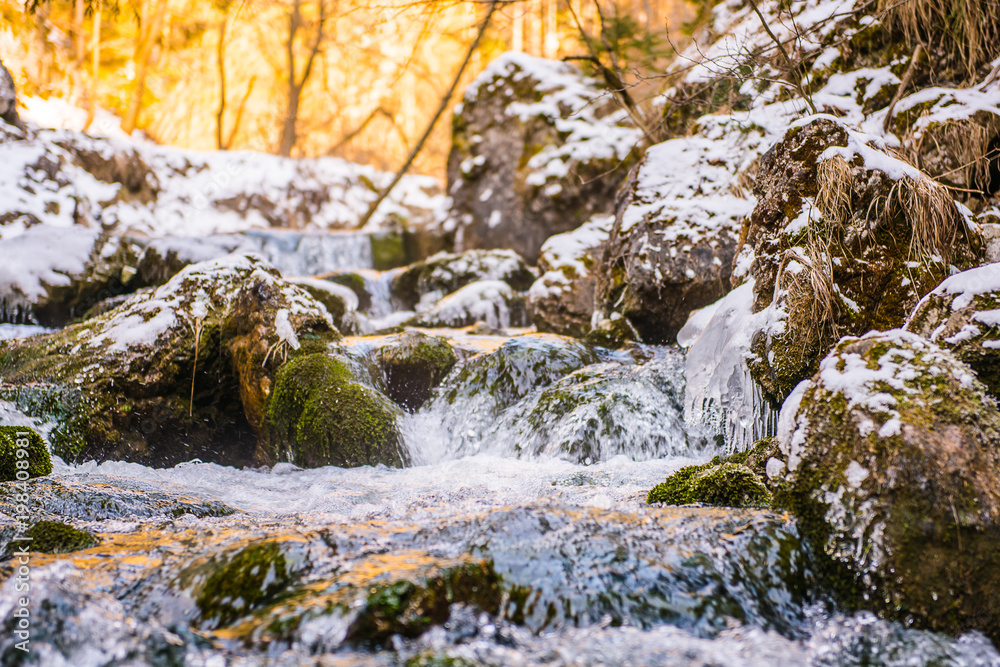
{"x": 423, "y": 283}
{"x": 845, "y": 238}
{"x": 562, "y": 300}
{"x": 963, "y": 315}
{"x": 323, "y": 413}
{"x": 121, "y": 386}
{"x": 676, "y": 228}
{"x": 537, "y": 149}
{"x": 492, "y": 302}
{"x": 341, "y": 302}
{"x": 53, "y": 275}
{"x": 413, "y": 364}
{"x": 893, "y": 473}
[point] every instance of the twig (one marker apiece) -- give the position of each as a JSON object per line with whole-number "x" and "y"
{"x": 784, "y": 53}
{"x": 911, "y": 68}
{"x": 437, "y": 114}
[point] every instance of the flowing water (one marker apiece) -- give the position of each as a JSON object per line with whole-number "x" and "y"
{"x": 498, "y": 548}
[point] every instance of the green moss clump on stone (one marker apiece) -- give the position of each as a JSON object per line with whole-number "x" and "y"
{"x": 736, "y": 481}
{"x": 414, "y": 365}
{"x": 320, "y": 415}
{"x": 53, "y": 537}
{"x": 254, "y": 576}
{"x": 36, "y": 462}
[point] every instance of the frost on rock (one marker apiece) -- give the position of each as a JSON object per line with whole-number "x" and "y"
{"x": 120, "y": 386}
{"x": 894, "y": 476}
{"x": 572, "y": 151}
{"x": 562, "y": 299}
{"x": 963, "y": 315}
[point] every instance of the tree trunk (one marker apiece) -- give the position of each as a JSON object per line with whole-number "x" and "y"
{"x": 551, "y": 28}
{"x": 220, "y": 60}
{"x": 296, "y": 83}
{"x": 95, "y": 73}
{"x": 79, "y": 50}
{"x": 149, "y": 34}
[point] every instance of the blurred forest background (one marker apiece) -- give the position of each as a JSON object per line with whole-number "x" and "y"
{"x": 312, "y": 77}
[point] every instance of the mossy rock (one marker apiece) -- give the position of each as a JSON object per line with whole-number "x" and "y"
{"x": 894, "y": 479}
{"x": 410, "y": 608}
{"x": 53, "y": 537}
{"x": 389, "y": 250}
{"x": 23, "y": 451}
{"x": 321, "y": 414}
{"x": 414, "y": 363}
{"x": 179, "y": 372}
{"x": 235, "y": 584}
{"x": 889, "y": 236}
{"x": 960, "y": 315}
{"x": 354, "y": 282}
{"x": 446, "y": 273}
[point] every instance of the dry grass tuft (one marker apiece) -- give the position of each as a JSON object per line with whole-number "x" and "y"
{"x": 965, "y": 142}
{"x": 811, "y": 288}
{"x": 968, "y": 28}
{"x": 834, "y": 181}
{"x": 935, "y": 221}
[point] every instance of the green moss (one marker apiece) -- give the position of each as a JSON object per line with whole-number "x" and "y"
{"x": 52, "y": 537}
{"x": 410, "y": 608}
{"x": 22, "y": 450}
{"x": 737, "y": 481}
{"x": 319, "y": 415}
{"x": 251, "y": 578}
{"x": 414, "y": 365}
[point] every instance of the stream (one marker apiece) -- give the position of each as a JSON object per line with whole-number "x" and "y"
{"x": 490, "y": 550}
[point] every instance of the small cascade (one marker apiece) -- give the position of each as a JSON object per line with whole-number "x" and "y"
{"x": 311, "y": 254}
{"x": 721, "y": 399}
{"x": 379, "y": 286}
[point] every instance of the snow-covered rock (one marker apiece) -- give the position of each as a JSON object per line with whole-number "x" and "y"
{"x": 492, "y": 302}
{"x": 893, "y": 473}
{"x": 538, "y": 149}
{"x": 51, "y": 275}
{"x": 422, "y": 284}
{"x": 562, "y": 299}
{"x": 845, "y": 238}
{"x": 120, "y": 386}
{"x": 672, "y": 245}
{"x": 963, "y": 315}
{"x": 8, "y": 99}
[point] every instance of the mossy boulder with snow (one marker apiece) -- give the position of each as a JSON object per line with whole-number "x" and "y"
{"x": 340, "y": 301}
{"x": 422, "y": 284}
{"x": 845, "y": 238}
{"x": 562, "y": 300}
{"x": 893, "y": 472}
{"x": 321, "y": 412}
{"x": 413, "y": 364}
{"x": 677, "y": 224}
{"x": 963, "y": 315}
{"x": 22, "y": 451}
{"x": 120, "y": 386}
{"x": 492, "y": 302}
{"x": 537, "y": 149}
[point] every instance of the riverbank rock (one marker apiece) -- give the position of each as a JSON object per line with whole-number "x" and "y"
{"x": 893, "y": 472}
{"x": 423, "y": 283}
{"x": 562, "y": 300}
{"x": 413, "y": 364}
{"x": 322, "y": 412}
{"x": 52, "y": 275}
{"x": 672, "y": 245}
{"x": 963, "y": 315}
{"x": 492, "y": 302}
{"x": 845, "y": 238}
{"x": 537, "y": 149}
{"x": 120, "y": 386}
